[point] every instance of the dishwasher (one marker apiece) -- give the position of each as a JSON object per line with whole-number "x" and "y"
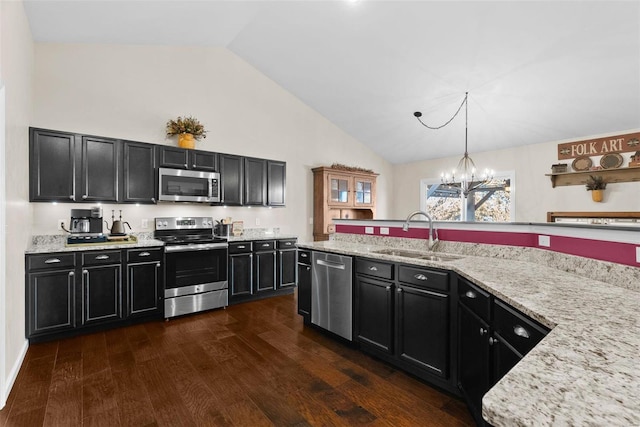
{"x": 331, "y": 293}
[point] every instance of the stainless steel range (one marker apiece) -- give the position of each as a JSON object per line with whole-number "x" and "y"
{"x": 195, "y": 265}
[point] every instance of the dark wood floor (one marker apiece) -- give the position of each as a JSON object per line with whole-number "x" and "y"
{"x": 252, "y": 364}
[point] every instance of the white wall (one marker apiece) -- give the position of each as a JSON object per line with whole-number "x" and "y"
{"x": 533, "y": 192}
{"x": 16, "y": 72}
{"x": 131, "y": 91}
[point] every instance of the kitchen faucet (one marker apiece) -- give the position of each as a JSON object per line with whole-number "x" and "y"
{"x": 432, "y": 242}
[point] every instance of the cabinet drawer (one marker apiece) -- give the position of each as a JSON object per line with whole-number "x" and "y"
{"x": 477, "y": 300}
{"x": 379, "y": 269}
{"x": 101, "y": 257}
{"x": 240, "y": 247}
{"x": 521, "y": 332}
{"x": 47, "y": 261}
{"x": 264, "y": 245}
{"x": 286, "y": 244}
{"x": 425, "y": 278}
{"x": 304, "y": 256}
{"x": 144, "y": 255}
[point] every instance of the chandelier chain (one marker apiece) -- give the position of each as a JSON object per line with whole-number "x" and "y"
{"x": 464, "y": 101}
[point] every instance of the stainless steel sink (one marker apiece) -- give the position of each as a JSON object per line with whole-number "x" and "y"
{"x": 415, "y": 254}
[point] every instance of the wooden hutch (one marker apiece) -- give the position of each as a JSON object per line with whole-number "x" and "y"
{"x": 341, "y": 193}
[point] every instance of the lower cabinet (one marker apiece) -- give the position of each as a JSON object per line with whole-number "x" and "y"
{"x": 304, "y": 285}
{"x": 403, "y": 315}
{"x": 260, "y": 269}
{"x": 493, "y": 337}
{"x": 72, "y": 292}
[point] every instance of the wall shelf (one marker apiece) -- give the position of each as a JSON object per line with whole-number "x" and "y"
{"x": 580, "y": 178}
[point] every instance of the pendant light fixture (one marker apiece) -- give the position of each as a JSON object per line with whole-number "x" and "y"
{"x": 466, "y": 169}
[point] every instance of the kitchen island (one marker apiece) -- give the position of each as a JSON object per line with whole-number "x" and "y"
{"x": 584, "y": 372}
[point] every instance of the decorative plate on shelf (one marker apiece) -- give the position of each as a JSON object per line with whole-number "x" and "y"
{"x": 611, "y": 161}
{"x": 582, "y": 163}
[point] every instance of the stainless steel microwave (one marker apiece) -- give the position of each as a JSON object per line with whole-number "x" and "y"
{"x": 179, "y": 185}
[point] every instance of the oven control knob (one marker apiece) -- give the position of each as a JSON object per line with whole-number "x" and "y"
{"x": 165, "y": 223}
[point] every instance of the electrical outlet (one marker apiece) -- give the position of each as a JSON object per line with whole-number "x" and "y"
{"x": 60, "y": 224}
{"x": 257, "y": 221}
{"x": 544, "y": 241}
{"x": 145, "y": 223}
{"x": 368, "y": 230}
{"x": 384, "y": 230}
{"x": 310, "y": 220}
{"x": 638, "y": 254}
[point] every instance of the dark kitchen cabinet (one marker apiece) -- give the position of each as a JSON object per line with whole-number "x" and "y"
{"x": 240, "y": 270}
{"x": 144, "y": 282}
{"x": 276, "y": 182}
{"x": 139, "y": 180}
{"x": 232, "y": 179}
{"x": 182, "y": 158}
{"x": 286, "y": 259}
{"x": 304, "y": 285}
{"x": 374, "y": 313}
{"x": 99, "y": 171}
{"x": 50, "y": 294}
{"x": 101, "y": 287}
{"x": 264, "y": 264}
{"x": 493, "y": 337}
{"x": 52, "y": 166}
{"x": 255, "y": 181}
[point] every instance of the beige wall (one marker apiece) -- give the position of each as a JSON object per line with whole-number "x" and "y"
{"x": 534, "y": 196}
{"x": 131, "y": 91}
{"x": 16, "y": 72}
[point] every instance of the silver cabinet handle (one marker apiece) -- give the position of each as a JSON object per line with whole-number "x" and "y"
{"x": 520, "y": 331}
{"x": 84, "y": 197}
{"x": 421, "y": 277}
{"x": 265, "y": 245}
{"x": 483, "y": 331}
{"x": 193, "y": 165}
{"x": 158, "y": 265}
{"x": 373, "y": 268}
{"x": 399, "y": 290}
{"x": 330, "y": 264}
{"x": 72, "y": 196}
{"x": 241, "y": 247}
{"x": 308, "y": 268}
{"x": 470, "y": 294}
{"x": 144, "y": 254}
{"x": 101, "y": 257}
{"x": 52, "y": 261}
{"x": 186, "y": 166}
{"x": 71, "y": 274}
{"x": 493, "y": 341}
{"x": 287, "y": 243}
{"x": 388, "y": 288}
{"x": 153, "y": 200}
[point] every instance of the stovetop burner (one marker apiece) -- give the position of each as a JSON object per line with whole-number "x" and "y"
{"x": 186, "y": 230}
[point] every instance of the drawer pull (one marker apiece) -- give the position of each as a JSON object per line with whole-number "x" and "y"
{"x": 470, "y": 294}
{"x": 520, "y": 331}
{"x": 303, "y": 255}
{"x": 52, "y": 261}
{"x": 265, "y": 245}
{"x": 144, "y": 254}
{"x": 287, "y": 243}
{"x": 421, "y": 277}
{"x": 373, "y": 268}
{"x": 241, "y": 247}
{"x": 101, "y": 257}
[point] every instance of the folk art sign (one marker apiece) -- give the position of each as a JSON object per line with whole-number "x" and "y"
{"x": 600, "y": 146}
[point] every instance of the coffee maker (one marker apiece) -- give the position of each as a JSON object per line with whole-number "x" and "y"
{"x": 86, "y": 226}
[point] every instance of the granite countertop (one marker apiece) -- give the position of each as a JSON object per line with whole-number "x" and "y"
{"x": 272, "y": 236}
{"x": 57, "y": 243}
{"x": 586, "y": 371}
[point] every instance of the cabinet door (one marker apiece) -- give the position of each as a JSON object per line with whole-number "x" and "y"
{"x": 240, "y": 274}
{"x": 304, "y": 291}
{"x": 265, "y": 271}
{"x": 50, "y": 301}
{"x": 101, "y": 294}
{"x": 339, "y": 190}
{"x": 374, "y": 314}
{"x": 364, "y": 192}
{"x": 52, "y": 166}
{"x": 474, "y": 375}
{"x": 231, "y": 175}
{"x": 203, "y": 160}
{"x": 173, "y": 157}
{"x": 505, "y": 357}
{"x": 255, "y": 181}
{"x": 144, "y": 289}
{"x": 99, "y": 178}
{"x": 423, "y": 329}
{"x": 286, "y": 268}
{"x": 139, "y": 177}
{"x": 276, "y": 183}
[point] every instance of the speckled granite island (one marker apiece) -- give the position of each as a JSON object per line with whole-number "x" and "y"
{"x": 586, "y": 371}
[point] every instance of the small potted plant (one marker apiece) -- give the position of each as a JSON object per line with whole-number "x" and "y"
{"x": 596, "y": 184}
{"x": 188, "y": 129}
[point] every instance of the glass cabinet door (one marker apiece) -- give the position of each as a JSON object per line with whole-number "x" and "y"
{"x": 339, "y": 190}
{"x": 363, "y": 192}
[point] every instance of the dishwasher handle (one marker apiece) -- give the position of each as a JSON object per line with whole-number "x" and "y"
{"x": 330, "y": 264}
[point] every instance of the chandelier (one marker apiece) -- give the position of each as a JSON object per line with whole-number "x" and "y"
{"x": 466, "y": 171}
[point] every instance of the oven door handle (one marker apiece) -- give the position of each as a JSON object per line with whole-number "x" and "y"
{"x": 196, "y": 247}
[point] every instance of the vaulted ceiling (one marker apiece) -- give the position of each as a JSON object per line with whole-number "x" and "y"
{"x": 535, "y": 71}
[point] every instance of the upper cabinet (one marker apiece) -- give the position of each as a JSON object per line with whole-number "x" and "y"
{"x": 276, "y": 182}
{"x": 52, "y": 166}
{"x": 182, "y": 158}
{"x": 255, "y": 181}
{"x": 139, "y": 182}
{"x": 99, "y": 166}
{"x": 231, "y": 175}
{"x": 344, "y": 194}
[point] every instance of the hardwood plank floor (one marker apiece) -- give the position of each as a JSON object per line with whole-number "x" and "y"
{"x": 253, "y": 364}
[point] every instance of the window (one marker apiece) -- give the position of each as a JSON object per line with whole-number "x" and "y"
{"x": 493, "y": 202}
